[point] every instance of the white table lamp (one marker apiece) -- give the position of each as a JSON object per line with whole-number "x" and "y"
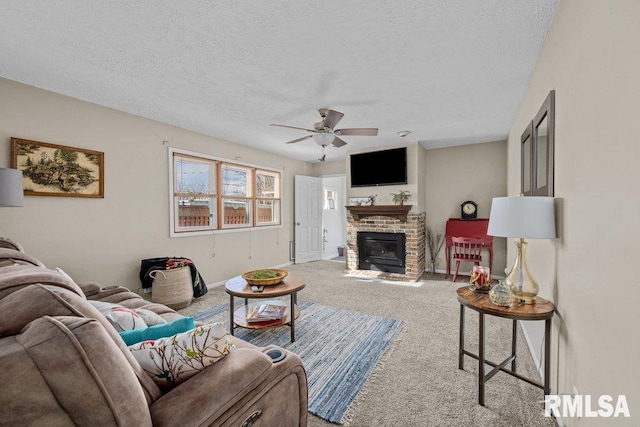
{"x": 523, "y": 218}
{"x": 11, "y": 192}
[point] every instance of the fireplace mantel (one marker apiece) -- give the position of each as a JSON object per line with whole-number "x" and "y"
{"x": 394, "y": 211}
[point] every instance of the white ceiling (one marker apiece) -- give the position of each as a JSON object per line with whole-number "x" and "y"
{"x": 450, "y": 71}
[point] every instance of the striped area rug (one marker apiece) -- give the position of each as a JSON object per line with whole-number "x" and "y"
{"x": 339, "y": 349}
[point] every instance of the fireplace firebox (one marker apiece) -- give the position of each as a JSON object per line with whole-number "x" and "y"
{"x": 382, "y": 252}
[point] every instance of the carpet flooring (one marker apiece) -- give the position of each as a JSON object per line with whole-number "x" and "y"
{"x": 339, "y": 349}
{"x": 420, "y": 383}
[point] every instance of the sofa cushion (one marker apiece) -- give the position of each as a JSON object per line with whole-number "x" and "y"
{"x": 25, "y": 398}
{"x": 7, "y": 243}
{"x": 13, "y": 256}
{"x": 102, "y": 390}
{"x": 178, "y": 326}
{"x": 13, "y": 278}
{"x": 170, "y": 361}
{"x": 31, "y": 302}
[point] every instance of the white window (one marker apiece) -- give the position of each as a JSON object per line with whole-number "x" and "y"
{"x": 237, "y": 192}
{"x": 215, "y": 194}
{"x": 267, "y": 197}
{"x": 329, "y": 199}
{"x": 194, "y": 194}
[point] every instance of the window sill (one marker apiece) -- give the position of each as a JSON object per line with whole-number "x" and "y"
{"x": 173, "y": 234}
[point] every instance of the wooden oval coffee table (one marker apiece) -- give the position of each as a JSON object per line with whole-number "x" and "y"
{"x": 238, "y": 287}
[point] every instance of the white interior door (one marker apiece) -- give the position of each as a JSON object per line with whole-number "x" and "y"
{"x": 334, "y": 221}
{"x": 308, "y": 218}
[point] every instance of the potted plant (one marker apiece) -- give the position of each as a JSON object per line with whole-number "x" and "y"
{"x": 401, "y": 197}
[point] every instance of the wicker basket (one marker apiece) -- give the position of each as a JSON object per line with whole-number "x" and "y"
{"x": 172, "y": 288}
{"x": 265, "y": 282}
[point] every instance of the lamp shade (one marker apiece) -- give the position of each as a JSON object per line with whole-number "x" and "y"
{"x": 11, "y": 192}
{"x": 323, "y": 138}
{"x": 522, "y": 217}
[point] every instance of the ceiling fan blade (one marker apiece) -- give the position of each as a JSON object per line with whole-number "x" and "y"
{"x": 323, "y": 158}
{"x": 337, "y": 142}
{"x": 300, "y": 139}
{"x": 293, "y": 127}
{"x": 357, "y": 131}
{"x": 332, "y": 119}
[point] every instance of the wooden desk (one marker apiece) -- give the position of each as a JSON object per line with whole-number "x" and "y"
{"x": 476, "y": 228}
{"x": 541, "y": 310}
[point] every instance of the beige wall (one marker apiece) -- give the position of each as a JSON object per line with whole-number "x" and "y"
{"x": 105, "y": 239}
{"x": 329, "y": 168}
{"x": 422, "y": 178}
{"x": 471, "y": 172}
{"x": 590, "y": 59}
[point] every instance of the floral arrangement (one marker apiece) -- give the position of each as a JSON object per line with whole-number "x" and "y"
{"x": 435, "y": 241}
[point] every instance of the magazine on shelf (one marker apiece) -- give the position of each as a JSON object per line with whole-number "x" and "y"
{"x": 265, "y": 312}
{"x": 273, "y": 311}
{"x": 263, "y": 323}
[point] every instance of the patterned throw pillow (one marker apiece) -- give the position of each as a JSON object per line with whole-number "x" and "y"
{"x": 121, "y": 318}
{"x": 172, "y": 360}
{"x": 151, "y": 318}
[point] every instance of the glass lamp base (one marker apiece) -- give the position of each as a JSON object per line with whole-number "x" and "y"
{"x": 520, "y": 280}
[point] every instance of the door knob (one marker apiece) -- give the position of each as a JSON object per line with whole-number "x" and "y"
{"x": 297, "y": 223}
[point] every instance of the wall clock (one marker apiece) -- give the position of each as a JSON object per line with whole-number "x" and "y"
{"x": 469, "y": 210}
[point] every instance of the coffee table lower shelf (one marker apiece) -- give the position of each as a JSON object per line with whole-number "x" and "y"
{"x": 240, "y": 318}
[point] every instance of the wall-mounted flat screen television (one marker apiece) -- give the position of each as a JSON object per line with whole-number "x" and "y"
{"x": 387, "y": 167}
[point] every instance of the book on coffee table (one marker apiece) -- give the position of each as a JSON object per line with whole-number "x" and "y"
{"x": 263, "y": 312}
{"x": 273, "y": 311}
{"x": 265, "y": 323}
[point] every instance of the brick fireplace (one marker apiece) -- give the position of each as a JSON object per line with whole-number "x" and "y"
{"x": 387, "y": 219}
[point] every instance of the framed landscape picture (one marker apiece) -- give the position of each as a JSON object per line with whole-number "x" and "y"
{"x": 57, "y": 170}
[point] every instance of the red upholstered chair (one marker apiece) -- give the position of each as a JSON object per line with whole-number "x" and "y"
{"x": 466, "y": 249}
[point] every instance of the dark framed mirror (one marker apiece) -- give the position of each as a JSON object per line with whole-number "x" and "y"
{"x": 526, "y": 154}
{"x": 543, "y": 142}
{"x": 537, "y": 143}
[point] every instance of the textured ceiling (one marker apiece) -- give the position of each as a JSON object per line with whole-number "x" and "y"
{"x": 450, "y": 71}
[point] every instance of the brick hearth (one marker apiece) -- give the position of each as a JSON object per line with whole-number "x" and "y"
{"x": 414, "y": 228}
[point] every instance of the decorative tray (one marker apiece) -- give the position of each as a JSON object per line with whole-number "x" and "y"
{"x": 265, "y": 282}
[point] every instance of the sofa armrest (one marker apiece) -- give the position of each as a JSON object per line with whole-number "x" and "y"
{"x": 210, "y": 393}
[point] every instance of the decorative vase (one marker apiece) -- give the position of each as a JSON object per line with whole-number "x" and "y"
{"x": 480, "y": 280}
{"x": 522, "y": 284}
{"x": 501, "y": 295}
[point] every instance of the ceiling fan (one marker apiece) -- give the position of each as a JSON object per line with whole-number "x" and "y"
{"x": 323, "y": 132}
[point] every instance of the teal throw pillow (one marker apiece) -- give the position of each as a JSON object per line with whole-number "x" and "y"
{"x": 178, "y": 326}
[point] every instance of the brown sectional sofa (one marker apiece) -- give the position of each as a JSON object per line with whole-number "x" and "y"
{"x": 62, "y": 364}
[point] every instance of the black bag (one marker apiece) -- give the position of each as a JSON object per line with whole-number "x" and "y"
{"x": 153, "y": 264}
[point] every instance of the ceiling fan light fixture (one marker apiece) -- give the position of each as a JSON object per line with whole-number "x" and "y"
{"x": 323, "y": 138}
